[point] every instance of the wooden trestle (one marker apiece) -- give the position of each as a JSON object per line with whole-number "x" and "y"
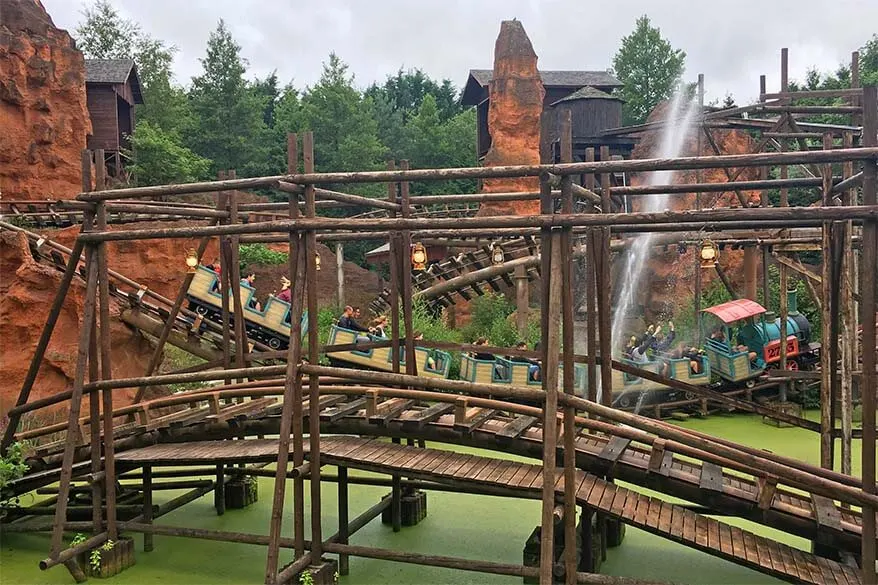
{"x": 654, "y": 515}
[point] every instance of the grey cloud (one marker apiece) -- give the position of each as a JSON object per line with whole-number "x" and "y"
{"x": 731, "y": 43}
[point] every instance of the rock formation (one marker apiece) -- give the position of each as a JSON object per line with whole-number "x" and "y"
{"x": 43, "y": 113}
{"x": 27, "y": 290}
{"x": 516, "y": 93}
{"x": 669, "y": 285}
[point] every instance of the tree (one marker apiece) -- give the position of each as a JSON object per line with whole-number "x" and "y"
{"x": 106, "y": 35}
{"x": 341, "y": 118}
{"x": 159, "y": 158}
{"x": 228, "y": 125}
{"x": 650, "y": 69}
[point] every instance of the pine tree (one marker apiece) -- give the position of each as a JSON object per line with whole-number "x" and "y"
{"x": 649, "y": 67}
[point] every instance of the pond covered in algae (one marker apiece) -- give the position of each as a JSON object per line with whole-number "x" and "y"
{"x": 480, "y": 527}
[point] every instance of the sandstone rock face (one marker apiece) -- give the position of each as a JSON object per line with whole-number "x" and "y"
{"x": 27, "y": 290}
{"x": 669, "y": 287}
{"x": 43, "y": 113}
{"x": 516, "y": 93}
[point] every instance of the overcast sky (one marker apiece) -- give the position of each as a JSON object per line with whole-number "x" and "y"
{"x": 732, "y": 43}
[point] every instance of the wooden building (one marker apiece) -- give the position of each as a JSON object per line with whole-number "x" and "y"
{"x": 558, "y": 85}
{"x": 112, "y": 91}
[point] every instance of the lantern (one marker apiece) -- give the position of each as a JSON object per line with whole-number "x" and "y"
{"x": 419, "y": 256}
{"x": 191, "y": 260}
{"x": 709, "y": 254}
{"x": 496, "y": 254}
{"x": 316, "y": 260}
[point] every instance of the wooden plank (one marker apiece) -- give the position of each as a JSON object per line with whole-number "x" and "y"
{"x": 713, "y": 534}
{"x": 452, "y": 469}
{"x": 667, "y": 511}
{"x": 711, "y": 477}
{"x": 613, "y": 450}
{"x": 654, "y": 512}
{"x": 343, "y": 410}
{"x": 689, "y": 526}
{"x": 474, "y": 420}
{"x": 606, "y": 501}
{"x": 428, "y": 415}
{"x": 725, "y": 539}
{"x": 618, "y": 503}
{"x": 631, "y": 503}
{"x": 750, "y": 551}
{"x": 515, "y": 428}
{"x": 826, "y": 513}
{"x": 738, "y": 545}
{"x": 390, "y": 409}
{"x": 701, "y": 526}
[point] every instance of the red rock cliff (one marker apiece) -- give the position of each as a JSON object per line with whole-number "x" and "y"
{"x": 27, "y": 290}
{"x": 516, "y": 93}
{"x": 43, "y": 113}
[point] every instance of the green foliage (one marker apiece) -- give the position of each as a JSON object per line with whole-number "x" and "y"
{"x": 435, "y": 328}
{"x": 106, "y": 35}
{"x": 161, "y": 158}
{"x": 492, "y": 317}
{"x": 649, "y": 67}
{"x": 306, "y": 578}
{"x": 78, "y": 539}
{"x": 94, "y": 559}
{"x": 228, "y": 125}
{"x": 326, "y": 318}
{"x": 249, "y": 254}
{"x": 12, "y": 467}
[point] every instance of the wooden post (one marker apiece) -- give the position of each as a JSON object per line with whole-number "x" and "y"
{"x": 106, "y": 371}
{"x": 397, "y": 268}
{"x": 225, "y": 284}
{"x": 291, "y": 416}
{"x": 828, "y": 352}
{"x": 88, "y": 315}
{"x": 219, "y": 490}
{"x": 552, "y": 334}
{"x": 784, "y": 202}
{"x": 147, "y": 506}
{"x": 522, "y": 302}
{"x": 591, "y": 317}
{"x": 313, "y": 356}
{"x": 339, "y": 271}
{"x": 848, "y": 320}
{"x": 766, "y": 281}
{"x": 603, "y": 285}
{"x": 411, "y": 366}
{"x": 343, "y": 515}
{"x": 867, "y": 296}
{"x": 565, "y": 257}
{"x": 235, "y": 274}
{"x": 699, "y": 178}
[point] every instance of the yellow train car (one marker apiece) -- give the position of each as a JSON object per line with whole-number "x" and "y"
{"x": 430, "y": 363}
{"x": 503, "y": 371}
{"x": 271, "y": 325}
{"x": 628, "y": 388}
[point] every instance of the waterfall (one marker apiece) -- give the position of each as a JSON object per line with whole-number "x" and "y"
{"x": 673, "y": 139}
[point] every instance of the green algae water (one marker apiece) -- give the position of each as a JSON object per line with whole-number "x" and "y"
{"x": 477, "y": 527}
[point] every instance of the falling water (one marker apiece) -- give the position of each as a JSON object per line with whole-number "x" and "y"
{"x": 672, "y": 141}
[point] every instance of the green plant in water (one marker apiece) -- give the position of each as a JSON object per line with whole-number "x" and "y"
{"x": 94, "y": 560}
{"x": 12, "y": 467}
{"x": 78, "y": 539}
{"x": 306, "y": 578}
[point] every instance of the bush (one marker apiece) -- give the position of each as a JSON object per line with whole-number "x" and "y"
{"x": 260, "y": 254}
{"x": 12, "y": 467}
{"x": 493, "y": 317}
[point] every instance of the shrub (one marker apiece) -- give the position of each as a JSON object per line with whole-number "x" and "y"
{"x": 12, "y": 467}
{"x": 260, "y": 254}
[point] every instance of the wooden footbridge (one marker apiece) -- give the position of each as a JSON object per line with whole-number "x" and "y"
{"x": 659, "y": 517}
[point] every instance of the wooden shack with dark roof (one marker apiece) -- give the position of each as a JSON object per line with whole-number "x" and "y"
{"x": 588, "y": 95}
{"x": 112, "y": 89}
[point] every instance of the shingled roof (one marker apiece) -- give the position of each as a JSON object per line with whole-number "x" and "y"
{"x": 114, "y": 71}
{"x": 478, "y": 80}
{"x": 587, "y": 93}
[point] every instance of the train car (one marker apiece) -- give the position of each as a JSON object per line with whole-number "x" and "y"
{"x": 271, "y": 325}
{"x": 629, "y": 389}
{"x": 504, "y": 371}
{"x": 432, "y": 363}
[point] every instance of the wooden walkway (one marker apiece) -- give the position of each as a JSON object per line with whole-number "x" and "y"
{"x": 652, "y": 466}
{"x": 650, "y": 514}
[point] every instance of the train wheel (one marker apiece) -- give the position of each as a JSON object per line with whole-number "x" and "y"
{"x": 750, "y": 383}
{"x": 793, "y": 365}
{"x": 274, "y": 343}
{"x": 201, "y": 309}
{"x": 625, "y": 401}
